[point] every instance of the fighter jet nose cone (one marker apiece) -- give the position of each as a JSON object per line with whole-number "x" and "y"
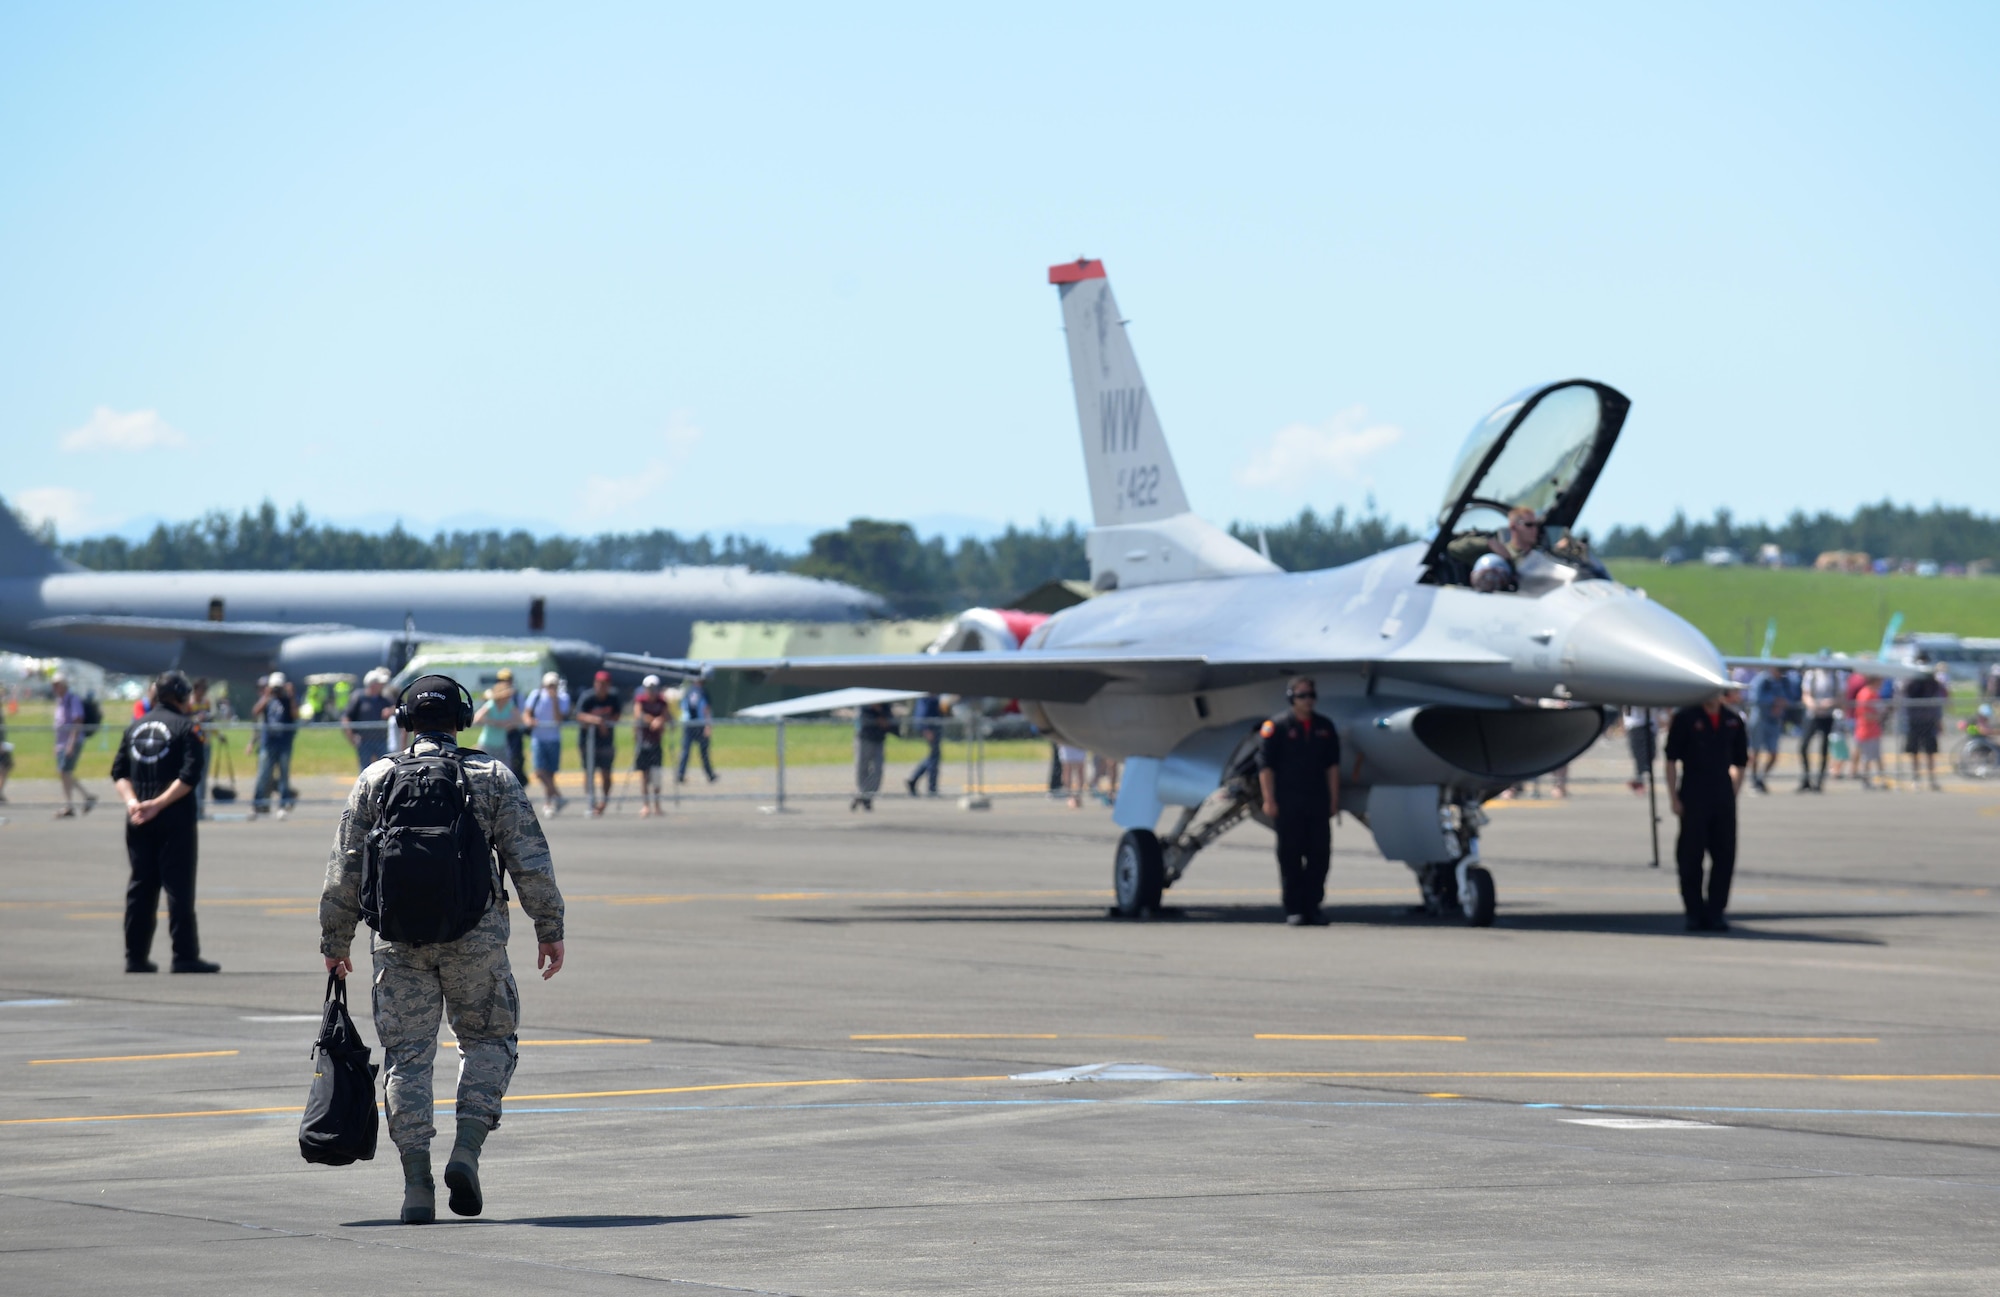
{"x": 1636, "y": 653}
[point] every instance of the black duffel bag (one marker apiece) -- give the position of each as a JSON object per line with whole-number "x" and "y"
{"x": 341, "y": 1121}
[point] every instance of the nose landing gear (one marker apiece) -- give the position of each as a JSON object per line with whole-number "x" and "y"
{"x": 1463, "y": 886}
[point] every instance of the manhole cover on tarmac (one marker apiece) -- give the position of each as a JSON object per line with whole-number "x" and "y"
{"x": 1115, "y": 1072}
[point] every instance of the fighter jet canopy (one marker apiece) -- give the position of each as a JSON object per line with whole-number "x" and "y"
{"x": 1542, "y": 449}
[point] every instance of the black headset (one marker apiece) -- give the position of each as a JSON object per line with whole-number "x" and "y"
{"x": 412, "y": 695}
{"x": 173, "y": 687}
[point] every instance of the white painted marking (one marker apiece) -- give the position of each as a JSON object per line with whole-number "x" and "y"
{"x": 281, "y": 1017}
{"x": 30, "y": 1004}
{"x": 1643, "y": 1123}
{"x": 1115, "y": 1072}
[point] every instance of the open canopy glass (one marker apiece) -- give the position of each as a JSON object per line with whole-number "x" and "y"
{"x": 1541, "y": 450}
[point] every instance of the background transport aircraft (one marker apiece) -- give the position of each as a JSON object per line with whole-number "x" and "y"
{"x": 238, "y": 625}
{"x": 1443, "y": 695}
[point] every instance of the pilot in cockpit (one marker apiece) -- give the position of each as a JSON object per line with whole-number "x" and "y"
{"x": 1523, "y": 534}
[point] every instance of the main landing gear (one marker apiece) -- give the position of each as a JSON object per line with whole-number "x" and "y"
{"x": 1147, "y": 864}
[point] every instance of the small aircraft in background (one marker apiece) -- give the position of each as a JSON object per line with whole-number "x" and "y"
{"x": 1443, "y": 694}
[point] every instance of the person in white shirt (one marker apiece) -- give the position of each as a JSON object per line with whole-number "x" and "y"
{"x": 545, "y": 711}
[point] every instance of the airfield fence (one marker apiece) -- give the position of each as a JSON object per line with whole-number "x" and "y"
{"x": 768, "y": 763}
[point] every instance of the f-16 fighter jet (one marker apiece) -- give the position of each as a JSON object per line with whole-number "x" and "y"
{"x": 1452, "y": 668}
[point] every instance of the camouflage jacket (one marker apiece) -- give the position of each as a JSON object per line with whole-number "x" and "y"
{"x": 502, "y": 810}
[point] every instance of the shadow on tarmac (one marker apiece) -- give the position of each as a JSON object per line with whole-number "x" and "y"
{"x": 1614, "y": 923}
{"x": 556, "y": 1222}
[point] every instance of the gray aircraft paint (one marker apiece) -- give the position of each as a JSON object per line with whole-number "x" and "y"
{"x": 349, "y": 621}
{"x": 1443, "y": 695}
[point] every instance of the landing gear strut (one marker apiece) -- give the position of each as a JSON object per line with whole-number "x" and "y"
{"x": 1146, "y": 864}
{"x": 1462, "y": 886}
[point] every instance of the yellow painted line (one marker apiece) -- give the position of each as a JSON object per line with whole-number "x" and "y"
{"x": 1443, "y": 1094}
{"x": 134, "y": 1058}
{"x": 959, "y": 1035}
{"x": 749, "y": 1085}
{"x": 1774, "y": 1040}
{"x": 1628, "y": 1076}
{"x": 522, "y": 1098}
{"x": 591, "y": 1040}
{"x": 1273, "y": 1035}
{"x": 150, "y": 1116}
{"x": 992, "y": 1035}
{"x": 793, "y": 896}
{"x": 97, "y": 914}
{"x": 206, "y": 902}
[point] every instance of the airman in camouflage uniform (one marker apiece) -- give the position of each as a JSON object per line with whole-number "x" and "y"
{"x": 467, "y": 979}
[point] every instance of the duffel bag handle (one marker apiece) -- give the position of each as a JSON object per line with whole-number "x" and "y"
{"x": 336, "y": 989}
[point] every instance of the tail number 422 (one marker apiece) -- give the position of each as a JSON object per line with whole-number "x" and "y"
{"x": 1139, "y": 488}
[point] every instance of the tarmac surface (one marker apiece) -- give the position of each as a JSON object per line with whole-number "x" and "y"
{"x": 780, "y": 1058}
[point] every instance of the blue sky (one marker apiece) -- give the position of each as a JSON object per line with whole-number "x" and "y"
{"x": 600, "y": 266}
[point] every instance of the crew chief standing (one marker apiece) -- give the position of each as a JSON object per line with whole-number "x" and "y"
{"x": 1707, "y": 750}
{"x": 1299, "y": 773}
{"x": 158, "y": 767}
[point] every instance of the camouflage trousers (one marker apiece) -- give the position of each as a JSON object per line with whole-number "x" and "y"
{"x": 467, "y": 980}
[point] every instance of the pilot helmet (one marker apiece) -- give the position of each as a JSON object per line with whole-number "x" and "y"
{"x": 1492, "y": 574}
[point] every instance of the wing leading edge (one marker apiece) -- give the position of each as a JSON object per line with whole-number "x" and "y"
{"x": 1040, "y": 675}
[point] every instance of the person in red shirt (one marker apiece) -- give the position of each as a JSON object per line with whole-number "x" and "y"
{"x": 1868, "y": 733}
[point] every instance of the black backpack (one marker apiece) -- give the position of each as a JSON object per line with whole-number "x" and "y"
{"x": 340, "y": 1122}
{"x": 93, "y": 716}
{"x": 427, "y": 870}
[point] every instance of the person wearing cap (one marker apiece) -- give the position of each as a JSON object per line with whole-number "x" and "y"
{"x": 499, "y": 721}
{"x": 159, "y": 766}
{"x": 597, "y": 714}
{"x": 1298, "y": 771}
{"x": 651, "y": 715}
{"x": 517, "y": 734}
{"x": 366, "y": 720}
{"x": 545, "y": 711}
{"x": 278, "y": 713}
{"x": 466, "y": 979}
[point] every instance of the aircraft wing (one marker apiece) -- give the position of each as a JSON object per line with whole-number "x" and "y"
{"x": 813, "y": 704}
{"x": 1874, "y": 668}
{"x": 230, "y": 638}
{"x": 1037, "y": 675}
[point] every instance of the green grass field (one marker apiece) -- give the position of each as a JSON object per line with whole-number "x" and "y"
{"x": 1815, "y": 610}
{"x": 322, "y": 750}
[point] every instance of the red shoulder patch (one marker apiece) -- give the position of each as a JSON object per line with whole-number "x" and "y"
{"x": 1270, "y": 728}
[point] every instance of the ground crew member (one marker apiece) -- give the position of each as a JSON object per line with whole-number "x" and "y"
{"x": 467, "y": 979}
{"x": 1299, "y": 773}
{"x": 159, "y": 765}
{"x": 1708, "y": 748}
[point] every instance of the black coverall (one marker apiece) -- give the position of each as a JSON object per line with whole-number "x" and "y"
{"x": 157, "y": 750}
{"x": 1298, "y": 755}
{"x": 1707, "y": 746}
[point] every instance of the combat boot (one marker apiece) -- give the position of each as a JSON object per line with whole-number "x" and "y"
{"x": 419, "y": 1191}
{"x": 461, "y": 1173}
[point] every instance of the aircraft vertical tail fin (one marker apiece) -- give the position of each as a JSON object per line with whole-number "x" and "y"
{"x": 1143, "y": 531}
{"x": 1132, "y": 474}
{"x": 20, "y": 553}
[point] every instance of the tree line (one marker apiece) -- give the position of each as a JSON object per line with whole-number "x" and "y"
{"x": 922, "y": 575}
{"x": 1885, "y": 530}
